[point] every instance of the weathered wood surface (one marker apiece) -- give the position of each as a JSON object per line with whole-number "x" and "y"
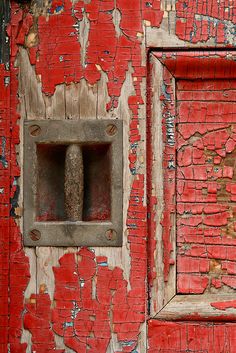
{"x": 162, "y": 226}
{"x": 4, "y": 40}
{"x": 215, "y": 281}
{"x": 75, "y": 101}
{"x": 82, "y": 60}
{"x": 208, "y": 307}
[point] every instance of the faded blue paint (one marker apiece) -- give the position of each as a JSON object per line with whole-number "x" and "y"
{"x": 128, "y": 344}
{"x": 133, "y": 171}
{"x": 103, "y": 264}
{"x": 3, "y": 155}
{"x": 164, "y": 91}
{"x": 68, "y": 324}
{"x": 59, "y": 8}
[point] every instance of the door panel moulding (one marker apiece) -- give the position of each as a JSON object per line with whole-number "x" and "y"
{"x": 191, "y": 152}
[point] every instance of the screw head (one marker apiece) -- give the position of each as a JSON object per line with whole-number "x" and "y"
{"x": 111, "y": 129}
{"x": 34, "y": 130}
{"x": 35, "y": 234}
{"x": 110, "y": 234}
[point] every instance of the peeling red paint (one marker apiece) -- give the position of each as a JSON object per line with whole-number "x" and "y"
{"x": 205, "y": 212}
{"x": 38, "y": 321}
{"x": 4, "y": 205}
{"x": 204, "y": 147}
{"x": 129, "y": 305}
{"x": 224, "y": 305}
{"x": 105, "y": 49}
{"x": 75, "y": 313}
{"x": 151, "y": 198}
{"x": 202, "y": 20}
{"x": 12, "y": 256}
{"x": 169, "y": 162}
{"x": 199, "y": 64}
{"x": 205, "y": 171}
{"x": 196, "y": 337}
{"x": 91, "y": 300}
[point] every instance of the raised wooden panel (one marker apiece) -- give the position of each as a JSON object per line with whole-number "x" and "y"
{"x": 194, "y": 270}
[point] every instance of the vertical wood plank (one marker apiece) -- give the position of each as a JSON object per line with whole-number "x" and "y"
{"x": 4, "y": 41}
{"x": 47, "y": 257}
{"x": 30, "y": 89}
{"x": 88, "y": 100}
{"x": 55, "y": 104}
{"x": 72, "y": 101}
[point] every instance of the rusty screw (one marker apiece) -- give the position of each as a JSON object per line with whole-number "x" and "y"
{"x": 111, "y": 129}
{"x": 35, "y": 234}
{"x": 34, "y": 130}
{"x": 110, "y": 234}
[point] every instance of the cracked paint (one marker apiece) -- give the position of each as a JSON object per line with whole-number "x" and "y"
{"x": 4, "y": 212}
{"x": 224, "y": 305}
{"x": 168, "y": 114}
{"x": 198, "y": 337}
{"x": 85, "y": 322}
{"x": 205, "y": 193}
{"x": 198, "y": 127}
{"x": 200, "y": 21}
{"x": 52, "y": 70}
{"x": 100, "y": 49}
{"x": 74, "y": 41}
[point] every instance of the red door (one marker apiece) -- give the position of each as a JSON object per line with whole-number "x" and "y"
{"x": 86, "y": 60}
{"x": 193, "y": 223}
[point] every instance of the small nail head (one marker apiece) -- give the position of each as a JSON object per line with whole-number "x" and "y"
{"x": 111, "y": 129}
{"x": 110, "y": 234}
{"x": 34, "y": 130}
{"x": 35, "y": 234}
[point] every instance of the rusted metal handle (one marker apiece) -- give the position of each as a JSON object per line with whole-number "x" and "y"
{"x": 74, "y": 183}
